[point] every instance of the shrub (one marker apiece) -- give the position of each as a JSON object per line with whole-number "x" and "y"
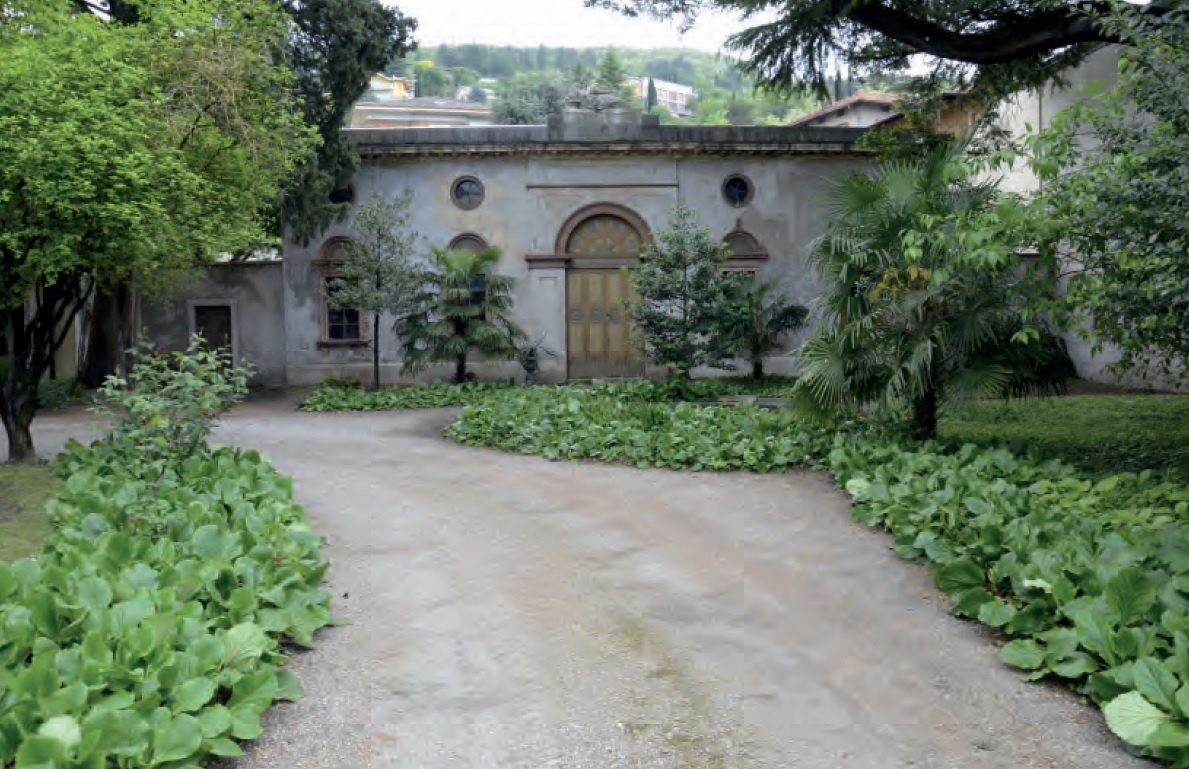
{"x": 149, "y": 631}
{"x": 636, "y": 424}
{"x": 421, "y": 396}
{"x": 172, "y": 401}
{"x": 58, "y": 393}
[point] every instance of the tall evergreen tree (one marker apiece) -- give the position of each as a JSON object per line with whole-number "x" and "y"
{"x": 335, "y": 47}
{"x": 611, "y": 73}
{"x": 650, "y": 100}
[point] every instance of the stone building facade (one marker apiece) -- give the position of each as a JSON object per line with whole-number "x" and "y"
{"x": 569, "y": 205}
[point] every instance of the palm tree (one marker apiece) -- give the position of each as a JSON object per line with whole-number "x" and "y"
{"x": 459, "y": 306}
{"x": 765, "y": 317}
{"x": 908, "y": 323}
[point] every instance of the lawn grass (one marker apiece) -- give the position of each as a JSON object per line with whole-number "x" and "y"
{"x": 24, "y": 490}
{"x": 1104, "y": 434}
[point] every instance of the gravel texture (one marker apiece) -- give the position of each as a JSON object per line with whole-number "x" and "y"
{"x": 511, "y": 612}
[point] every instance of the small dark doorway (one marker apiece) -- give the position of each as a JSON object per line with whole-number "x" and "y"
{"x": 213, "y": 322}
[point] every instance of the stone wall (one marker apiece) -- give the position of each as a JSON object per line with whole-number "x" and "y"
{"x": 529, "y": 199}
{"x": 254, "y": 293}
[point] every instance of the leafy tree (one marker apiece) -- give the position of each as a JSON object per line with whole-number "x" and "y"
{"x": 460, "y": 305}
{"x": 740, "y": 112}
{"x": 379, "y": 276}
{"x": 159, "y": 150}
{"x": 762, "y": 318}
{"x": 478, "y": 95}
{"x": 431, "y": 80}
{"x": 682, "y": 312}
{"x": 530, "y": 99}
{"x": 918, "y": 310}
{"x": 334, "y": 47}
{"x": 1117, "y": 189}
{"x": 1009, "y": 44}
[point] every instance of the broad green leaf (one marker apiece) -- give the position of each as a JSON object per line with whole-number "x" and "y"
{"x": 1171, "y": 735}
{"x": 64, "y": 729}
{"x": 1157, "y": 685}
{"x": 960, "y": 575}
{"x": 1129, "y": 595}
{"x": 996, "y": 613}
{"x": 176, "y": 738}
{"x": 215, "y": 721}
{"x": 119, "y": 732}
{"x": 212, "y": 544}
{"x": 255, "y": 691}
{"x": 223, "y": 747}
{"x": 193, "y": 694}
{"x": 1133, "y": 718}
{"x": 94, "y": 593}
{"x": 245, "y": 724}
{"x": 244, "y": 643}
{"x": 1024, "y": 654}
{"x": 290, "y": 687}
{"x": 40, "y": 752}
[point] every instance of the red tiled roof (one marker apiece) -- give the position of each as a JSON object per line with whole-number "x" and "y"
{"x": 862, "y": 97}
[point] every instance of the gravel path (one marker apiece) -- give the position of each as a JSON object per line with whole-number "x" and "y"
{"x": 511, "y": 612}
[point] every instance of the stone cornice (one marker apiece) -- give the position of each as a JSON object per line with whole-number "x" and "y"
{"x": 685, "y": 141}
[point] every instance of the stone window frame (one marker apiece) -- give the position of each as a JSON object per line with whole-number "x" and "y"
{"x": 751, "y": 190}
{"x": 463, "y": 237}
{"x": 748, "y": 261}
{"x": 329, "y": 264}
{"x": 454, "y": 197}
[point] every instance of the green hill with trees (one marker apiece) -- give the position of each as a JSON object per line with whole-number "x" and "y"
{"x": 526, "y": 84}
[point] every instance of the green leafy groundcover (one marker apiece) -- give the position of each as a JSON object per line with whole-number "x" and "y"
{"x": 149, "y": 631}
{"x": 351, "y": 397}
{"x": 421, "y": 396}
{"x": 1087, "y": 577}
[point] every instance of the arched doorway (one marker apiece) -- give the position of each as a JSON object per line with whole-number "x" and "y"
{"x": 599, "y": 241}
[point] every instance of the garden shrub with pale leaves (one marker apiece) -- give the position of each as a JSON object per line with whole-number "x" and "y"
{"x": 150, "y": 630}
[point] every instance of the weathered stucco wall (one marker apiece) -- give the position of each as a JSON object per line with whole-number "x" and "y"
{"x": 254, "y": 293}
{"x": 528, "y": 200}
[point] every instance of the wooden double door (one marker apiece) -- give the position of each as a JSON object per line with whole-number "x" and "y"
{"x": 599, "y": 337}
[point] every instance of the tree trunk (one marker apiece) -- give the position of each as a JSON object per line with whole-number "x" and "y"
{"x": 376, "y": 351}
{"x": 460, "y": 369}
{"x": 20, "y": 438}
{"x": 757, "y": 368}
{"x": 924, "y": 413}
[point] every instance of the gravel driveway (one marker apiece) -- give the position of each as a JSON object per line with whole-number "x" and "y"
{"x": 511, "y": 612}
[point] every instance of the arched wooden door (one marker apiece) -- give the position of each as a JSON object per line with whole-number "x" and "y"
{"x": 598, "y": 335}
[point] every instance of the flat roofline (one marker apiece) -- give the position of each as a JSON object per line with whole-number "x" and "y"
{"x": 691, "y": 140}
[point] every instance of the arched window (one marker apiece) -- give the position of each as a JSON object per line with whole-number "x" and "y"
{"x": 468, "y": 241}
{"x": 747, "y": 255}
{"x": 605, "y": 236}
{"x": 340, "y": 326}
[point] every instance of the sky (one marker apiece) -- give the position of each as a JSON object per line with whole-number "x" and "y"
{"x": 554, "y": 23}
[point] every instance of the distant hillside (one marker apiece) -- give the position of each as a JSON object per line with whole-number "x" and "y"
{"x": 725, "y": 95}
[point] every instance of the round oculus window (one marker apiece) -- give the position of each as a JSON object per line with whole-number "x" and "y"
{"x": 737, "y": 190}
{"x": 467, "y": 192}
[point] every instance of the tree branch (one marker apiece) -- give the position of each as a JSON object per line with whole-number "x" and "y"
{"x": 1020, "y": 38}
